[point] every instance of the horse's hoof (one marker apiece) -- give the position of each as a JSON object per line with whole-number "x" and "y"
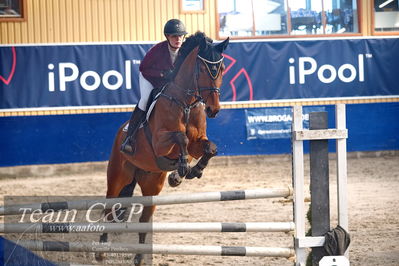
{"x": 194, "y": 172}
{"x": 99, "y": 256}
{"x": 138, "y": 259}
{"x": 174, "y": 179}
{"x": 183, "y": 170}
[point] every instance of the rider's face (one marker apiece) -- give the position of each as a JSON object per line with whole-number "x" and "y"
{"x": 175, "y": 40}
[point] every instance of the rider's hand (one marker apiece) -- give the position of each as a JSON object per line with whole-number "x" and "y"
{"x": 167, "y": 74}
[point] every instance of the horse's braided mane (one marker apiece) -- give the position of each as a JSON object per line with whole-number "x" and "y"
{"x": 190, "y": 43}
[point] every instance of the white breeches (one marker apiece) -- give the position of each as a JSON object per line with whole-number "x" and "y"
{"x": 145, "y": 91}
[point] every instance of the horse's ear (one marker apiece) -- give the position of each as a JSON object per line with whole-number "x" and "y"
{"x": 222, "y": 46}
{"x": 203, "y": 44}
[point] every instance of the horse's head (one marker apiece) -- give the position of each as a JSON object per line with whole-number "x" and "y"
{"x": 209, "y": 72}
{"x": 199, "y": 68}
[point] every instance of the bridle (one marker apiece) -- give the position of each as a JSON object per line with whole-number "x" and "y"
{"x": 214, "y": 69}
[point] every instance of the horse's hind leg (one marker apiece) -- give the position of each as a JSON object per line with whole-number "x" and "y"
{"x": 151, "y": 184}
{"x": 127, "y": 191}
{"x": 209, "y": 150}
{"x": 120, "y": 183}
{"x": 144, "y": 218}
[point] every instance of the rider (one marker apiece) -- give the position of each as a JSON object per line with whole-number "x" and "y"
{"x": 154, "y": 70}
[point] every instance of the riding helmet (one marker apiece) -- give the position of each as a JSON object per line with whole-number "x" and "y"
{"x": 174, "y": 27}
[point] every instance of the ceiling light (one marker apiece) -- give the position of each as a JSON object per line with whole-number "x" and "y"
{"x": 385, "y": 3}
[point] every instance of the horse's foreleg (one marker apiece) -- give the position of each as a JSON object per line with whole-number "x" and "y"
{"x": 210, "y": 150}
{"x": 174, "y": 179}
{"x": 173, "y": 143}
{"x": 182, "y": 141}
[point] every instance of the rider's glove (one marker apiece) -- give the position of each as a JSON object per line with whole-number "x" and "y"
{"x": 167, "y": 74}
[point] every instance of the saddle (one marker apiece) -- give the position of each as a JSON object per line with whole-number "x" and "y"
{"x": 164, "y": 163}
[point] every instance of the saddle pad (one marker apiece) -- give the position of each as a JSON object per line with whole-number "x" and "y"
{"x": 152, "y": 107}
{"x": 125, "y": 127}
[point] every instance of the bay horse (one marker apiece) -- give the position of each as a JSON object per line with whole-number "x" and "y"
{"x": 175, "y": 130}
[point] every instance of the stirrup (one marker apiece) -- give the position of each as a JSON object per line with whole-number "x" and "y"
{"x": 127, "y": 147}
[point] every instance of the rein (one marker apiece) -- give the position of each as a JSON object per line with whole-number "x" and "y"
{"x": 185, "y": 107}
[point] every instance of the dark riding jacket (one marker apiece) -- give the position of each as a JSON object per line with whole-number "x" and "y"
{"x": 155, "y": 63}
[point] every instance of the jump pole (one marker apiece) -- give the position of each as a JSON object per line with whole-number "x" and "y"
{"x": 156, "y": 249}
{"x": 342, "y": 173}
{"x": 298, "y": 184}
{"x": 145, "y": 227}
{"x": 102, "y": 203}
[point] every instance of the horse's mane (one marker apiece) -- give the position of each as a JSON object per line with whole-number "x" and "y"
{"x": 189, "y": 44}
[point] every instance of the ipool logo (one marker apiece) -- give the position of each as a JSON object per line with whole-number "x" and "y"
{"x": 327, "y": 73}
{"x": 89, "y": 80}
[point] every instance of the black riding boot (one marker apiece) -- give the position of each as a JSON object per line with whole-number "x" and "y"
{"x": 134, "y": 123}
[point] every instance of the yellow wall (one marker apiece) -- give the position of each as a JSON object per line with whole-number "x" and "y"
{"x": 65, "y": 21}
{"x": 62, "y": 21}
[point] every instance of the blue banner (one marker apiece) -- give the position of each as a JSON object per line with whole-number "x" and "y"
{"x": 14, "y": 254}
{"x": 72, "y": 75}
{"x": 92, "y": 75}
{"x": 273, "y": 70}
{"x": 274, "y": 123}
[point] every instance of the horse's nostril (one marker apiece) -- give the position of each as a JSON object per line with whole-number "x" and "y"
{"x": 211, "y": 113}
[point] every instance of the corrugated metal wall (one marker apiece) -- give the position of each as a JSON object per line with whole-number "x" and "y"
{"x": 63, "y": 21}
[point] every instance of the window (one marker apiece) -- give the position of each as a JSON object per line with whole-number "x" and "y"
{"x": 11, "y": 10}
{"x": 386, "y": 15}
{"x": 247, "y": 18}
{"x": 251, "y": 18}
{"x": 323, "y": 17}
{"x": 192, "y": 6}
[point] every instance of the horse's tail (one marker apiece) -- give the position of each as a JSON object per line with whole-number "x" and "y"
{"x": 127, "y": 191}
{"x": 115, "y": 159}
{"x": 117, "y": 176}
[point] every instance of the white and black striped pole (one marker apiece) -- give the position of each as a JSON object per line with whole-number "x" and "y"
{"x": 156, "y": 249}
{"x": 145, "y": 227}
{"x": 148, "y": 200}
